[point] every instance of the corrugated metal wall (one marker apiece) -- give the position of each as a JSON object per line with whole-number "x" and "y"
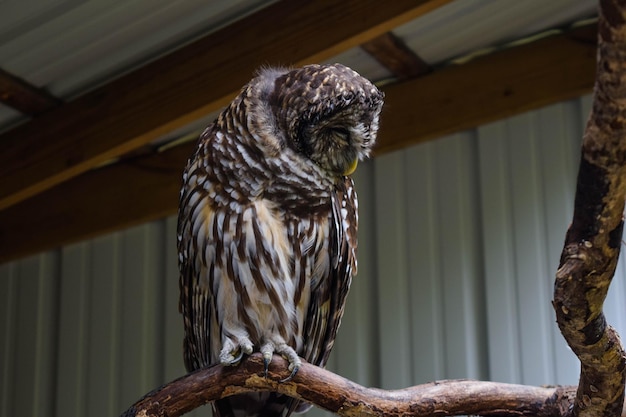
{"x": 459, "y": 242}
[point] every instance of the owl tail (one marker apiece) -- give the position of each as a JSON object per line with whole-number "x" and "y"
{"x": 261, "y": 404}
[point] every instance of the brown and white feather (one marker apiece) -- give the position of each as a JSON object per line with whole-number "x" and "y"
{"x": 267, "y": 220}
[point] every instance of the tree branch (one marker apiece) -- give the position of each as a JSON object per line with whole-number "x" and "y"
{"x": 346, "y": 398}
{"x": 593, "y": 241}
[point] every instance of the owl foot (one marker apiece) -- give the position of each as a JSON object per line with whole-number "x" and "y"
{"x": 287, "y": 352}
{"x": 294, "y": 360}
{"x": 232, "y": 353}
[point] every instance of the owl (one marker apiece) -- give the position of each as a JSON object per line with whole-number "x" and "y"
{"x": 267, "y": 224}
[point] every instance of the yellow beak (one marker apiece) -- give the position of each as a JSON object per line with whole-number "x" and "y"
{"x": 352, "y": 167}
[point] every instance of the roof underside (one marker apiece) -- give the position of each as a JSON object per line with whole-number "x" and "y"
{"x": 70, "y": 47}
{"x": 105, "y": 83}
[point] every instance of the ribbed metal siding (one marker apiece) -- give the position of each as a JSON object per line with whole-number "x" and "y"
{"x": 429, "y": 263}
{"x": 459, "y": 242}
{"x": 89, "y": 329}
{"x": 29, "y": 315}
{"x": 528, "y": 172}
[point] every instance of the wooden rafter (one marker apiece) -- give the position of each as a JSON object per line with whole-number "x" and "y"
{"x": 396, "y": 56}
{"x": 25, "y": 97}
{"x": 184, "y": 85}
{"x": 99, "y": 201}
{"x": 457, "y": 98}
{"x": 489, "y": 88}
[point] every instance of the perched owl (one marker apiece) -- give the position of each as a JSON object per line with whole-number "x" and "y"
{"x": 267, "y": 223}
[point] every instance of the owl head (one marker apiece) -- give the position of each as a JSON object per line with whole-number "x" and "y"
{"x": 328, "y": 114}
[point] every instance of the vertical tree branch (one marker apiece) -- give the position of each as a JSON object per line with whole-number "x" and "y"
{"x": 593, "y": 241}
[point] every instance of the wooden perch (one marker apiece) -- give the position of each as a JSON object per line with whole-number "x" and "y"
{"x": 346, "y": 398}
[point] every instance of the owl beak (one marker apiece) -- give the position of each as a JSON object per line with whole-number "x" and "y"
{"x": 352, "y": 167}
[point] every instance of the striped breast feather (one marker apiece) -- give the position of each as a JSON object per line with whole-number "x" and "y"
{"x": 234, "y": 273}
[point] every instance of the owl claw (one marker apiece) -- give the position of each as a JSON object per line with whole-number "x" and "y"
{"x": 236, "y": 359}
{"x": 294, "y": 371}
{"x": 288, "y": 353}
{"x": 266, "y": 365}
{"x": 267, "y": 350}
{"x": 227, "y": 355}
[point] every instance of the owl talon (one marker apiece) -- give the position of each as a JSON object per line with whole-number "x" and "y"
{"x": 237, "y": 359}
{"x": 229, "y": 359}
{"x": 227, "y": 355}
{"x": 266, "y": 366}
{"x": 288, "y": 353}
{"x": 267, "y": 350}
{"x": 294, "y": 371}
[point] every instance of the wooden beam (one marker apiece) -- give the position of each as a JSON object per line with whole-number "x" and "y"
{"x": 488, "y": 88}
{"x": 185, "y": 85}
{"x": 456, "y": 98}
{"x": 100, "y": 201}
{"x": 25, "y": 97}
{"x": 391, "y": 52}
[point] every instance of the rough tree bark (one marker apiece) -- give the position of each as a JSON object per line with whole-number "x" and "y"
{"x": 345, "y": 398}
{"x": 588, "y": 262}
{"x": 593, "y": 241}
